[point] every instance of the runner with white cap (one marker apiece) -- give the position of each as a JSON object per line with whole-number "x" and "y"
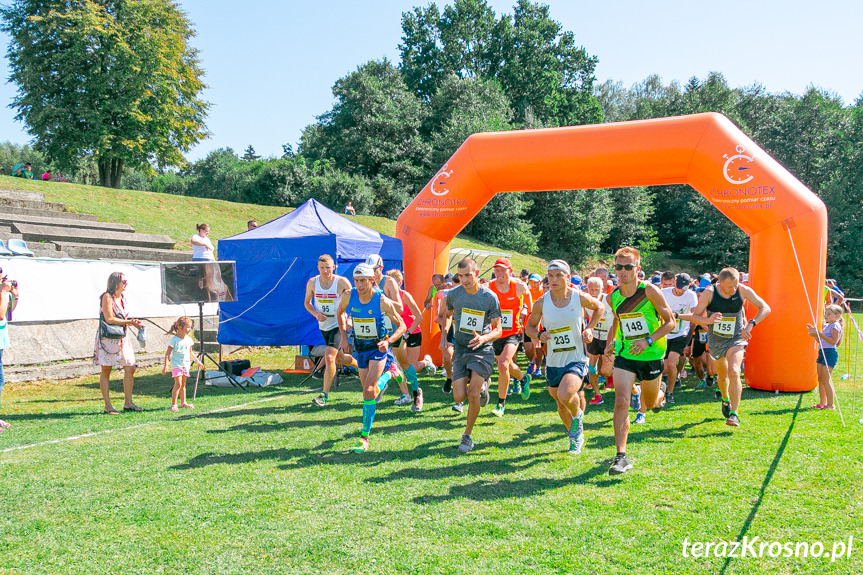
{"x": 367, "y": 307}
{"x": 681, "y": 300}
{"x": 561, "y": 312}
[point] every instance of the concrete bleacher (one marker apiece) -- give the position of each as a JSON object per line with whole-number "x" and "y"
{"x": 50, "y": 231}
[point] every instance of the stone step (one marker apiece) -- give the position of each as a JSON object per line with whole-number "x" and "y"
{"x": 121, "y": 252}
{"x": 22, "y": 195}
{"x": 31, "y": 204}
{"x": 84, "y": 236}
{"x": 13, "y": 219}
{"x": 46, "y": 250}
{"x": 47, "y": 213}
{"x": 69, "y": 369}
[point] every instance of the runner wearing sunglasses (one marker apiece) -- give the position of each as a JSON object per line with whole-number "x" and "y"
{"x": 642, "y": 318}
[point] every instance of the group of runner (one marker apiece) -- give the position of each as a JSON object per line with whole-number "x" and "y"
{"x": 624, "y": 327}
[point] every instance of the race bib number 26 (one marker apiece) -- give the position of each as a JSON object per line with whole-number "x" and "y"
{"x": 471, "y": 320}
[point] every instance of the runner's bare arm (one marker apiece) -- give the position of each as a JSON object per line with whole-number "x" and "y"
{"x": 343, "y": 322}
{"x": 388, "y": 307}
{"x": 532, "y": 327}
{"x": 391, "y": 290}
{"x": 429, "y": 297}
{"x": 697, "y": 315}
{"x": 310, "y": 297}
{"x": 609, "y": 338}
{"x": 658, "y": 300}
{"x": 590, "y": 302}
{"x": 763, "y": 310}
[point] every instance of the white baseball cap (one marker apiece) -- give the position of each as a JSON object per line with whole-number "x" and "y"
{"x": 375, "y": 261}
{"x": 364, "y": 271}
{"x": 559, "y": 265}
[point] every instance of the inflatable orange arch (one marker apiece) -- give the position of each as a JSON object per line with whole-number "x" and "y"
{"x": 705, "y": 151}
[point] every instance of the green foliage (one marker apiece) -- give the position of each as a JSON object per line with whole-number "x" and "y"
{"x": 373, "y": 128}
{"x": 249, "y": 155}
{"x": 13, "y": 154}
{"x": 171, "y": 183}
{"x": 113, "y": 80}
{"x": 571, "y": 224}
{"x": 502, "y": 223}
{"x": 632, "y": 210}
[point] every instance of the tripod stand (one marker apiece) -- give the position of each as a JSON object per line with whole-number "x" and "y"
{"x": 203, "y": 355}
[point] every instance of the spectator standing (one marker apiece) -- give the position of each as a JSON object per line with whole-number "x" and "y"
{"x": 202, "y": 247}
{"x": 116, "y": 352}
{"x": 8, "y": 301}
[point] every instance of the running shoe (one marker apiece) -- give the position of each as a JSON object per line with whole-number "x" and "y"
{"x": 466, "y": 444}
{"x": 701, "y": 385}
{"x": 458, "y": 407}
{"x": 525, "y": 387}
{"x": 683, "y": 374}
{"x": 717, "y": 394}
{"x": 635, "y": 401}
{"x": 726, "y": 409}
{"x": 711, "y": 381}
{"x": 483, "y": 394}
{"x": 620, "y": 465}
{"x": 597, "y": 400}
{"x": 640, "y": 418}
{"x": 575, "y": 445}
{"x": 498, "y": 411}
{"x": 733, "y": 420}
{"x": 381, "y": 392}
{"x": 418, "y": 401}
{"x": 362, "y": 445}
{"x": 403, "y": 400}
{"x": 669, "y": 398}
{"x": 430, "y": 366}
{"x": 662, "y": 387}
{"x": 531, "y": 368}
{"x": 538, "y": 373}
{"x": 320, "y": 401}
{"x": 447, "y": 386}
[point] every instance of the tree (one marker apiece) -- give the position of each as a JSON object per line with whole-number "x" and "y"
{"x": 109, "y": 79}
{"x": 249, "y": 154}
{"x": 373, "y": 128}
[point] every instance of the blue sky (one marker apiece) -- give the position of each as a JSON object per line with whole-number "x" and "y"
{"x": 270, "y": 65}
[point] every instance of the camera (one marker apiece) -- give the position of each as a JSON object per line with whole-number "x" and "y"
{"x": 4, "y": 278}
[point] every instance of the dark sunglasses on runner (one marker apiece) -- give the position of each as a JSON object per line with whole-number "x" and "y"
{"x": 627, "y": 267}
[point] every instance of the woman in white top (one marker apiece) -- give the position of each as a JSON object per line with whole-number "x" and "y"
{"x": 202, "y": 247}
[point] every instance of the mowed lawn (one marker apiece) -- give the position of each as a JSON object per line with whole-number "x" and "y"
{"x": 263, "y": 482}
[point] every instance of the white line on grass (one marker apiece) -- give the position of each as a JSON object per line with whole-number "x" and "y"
{"x": 106, "y": 431}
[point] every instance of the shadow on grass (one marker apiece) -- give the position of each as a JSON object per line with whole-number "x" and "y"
{"x": 770, "y": 471}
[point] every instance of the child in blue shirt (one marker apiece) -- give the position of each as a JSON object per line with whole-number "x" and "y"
{"x": 181, "y": 355}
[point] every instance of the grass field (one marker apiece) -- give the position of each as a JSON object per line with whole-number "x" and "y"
{"x": 262, "y": 482}
{"x": 176, "y": 216}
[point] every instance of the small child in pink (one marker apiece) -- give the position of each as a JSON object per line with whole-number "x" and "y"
{"x": 181, "y": 355}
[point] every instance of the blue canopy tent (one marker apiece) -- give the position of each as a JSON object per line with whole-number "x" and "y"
{"x": 281, "y": 256}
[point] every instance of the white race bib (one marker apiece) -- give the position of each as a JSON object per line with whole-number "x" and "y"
{"x": 505, "y": 319}
{"x": 725, "y": 326}
{"x": 471, "y": 320}
{"x": 702, "y": 337}
{"x": 561, "y": 339}
{"x": 365, "y": 328}
{"x": 327, "y": 307}
{"x": 388, "y": 323}
{"x": 633, "y": 325}
{"x": 600, "y": 330}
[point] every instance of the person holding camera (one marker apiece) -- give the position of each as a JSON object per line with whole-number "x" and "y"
{"x": 114, "y": 342}
{"x": 8, "y": 301}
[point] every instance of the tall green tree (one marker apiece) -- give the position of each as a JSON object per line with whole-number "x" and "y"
{"x": 109, "y": 79}
{"x": 373, "y": 128}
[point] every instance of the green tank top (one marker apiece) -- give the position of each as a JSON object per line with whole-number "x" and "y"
{"x": 636, "y": 319}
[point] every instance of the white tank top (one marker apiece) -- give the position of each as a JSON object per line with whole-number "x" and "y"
{"x": 564, "y": 327}
{"x": 600, "y": 330}
{"x": 326, "y": 302}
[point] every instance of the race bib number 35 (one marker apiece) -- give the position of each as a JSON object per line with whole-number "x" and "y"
{"x": 471, "y": 320}
{"x": 634, "y": 325}
{"x": 561, "y": 339}
{"x": 725, "y": 327}
{"x": 365, "y": 328}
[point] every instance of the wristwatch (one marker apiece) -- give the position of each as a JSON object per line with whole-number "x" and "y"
{"x": 752, "y": 321}
{"x": 649, "y": 341}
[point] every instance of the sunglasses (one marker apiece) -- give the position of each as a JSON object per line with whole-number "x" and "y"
{"x": 124, "y": 282}
{"x": 627, "y": 267}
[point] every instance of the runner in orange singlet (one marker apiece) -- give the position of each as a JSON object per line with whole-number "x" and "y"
{"x": 509, "y": 292}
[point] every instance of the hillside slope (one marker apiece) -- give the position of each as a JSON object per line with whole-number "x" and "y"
{"x": 176, "y": 216}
